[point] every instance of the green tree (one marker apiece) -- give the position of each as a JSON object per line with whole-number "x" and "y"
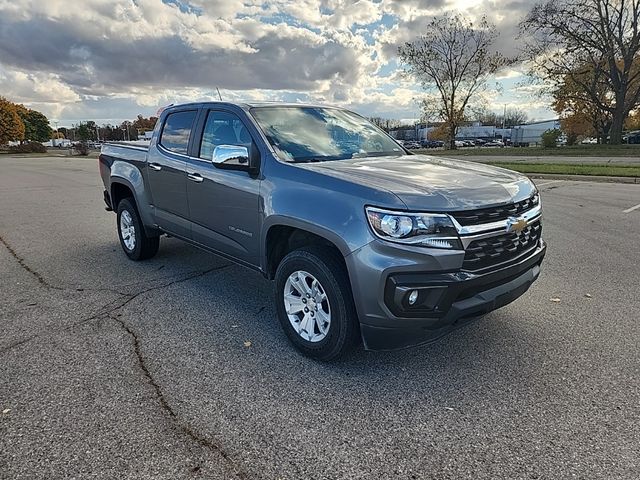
{"x": 37, "y": 126}
{"x": 550, "y": 138}
{"x": 11, "y": 127}
{"x": 142, "y": 124}
{"x": 130, "y": 133}
{"x": 83, "y": 133}
{"x": 93, "y": 129}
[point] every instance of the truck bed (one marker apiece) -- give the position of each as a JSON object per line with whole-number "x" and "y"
{"x": 134, "y": 152}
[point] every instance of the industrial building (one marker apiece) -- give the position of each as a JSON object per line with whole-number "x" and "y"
{"x": 520, "y": 135}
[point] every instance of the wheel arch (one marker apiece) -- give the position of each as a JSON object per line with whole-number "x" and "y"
{"x": 283, "y": 235}
{"x": 120, "y": 188}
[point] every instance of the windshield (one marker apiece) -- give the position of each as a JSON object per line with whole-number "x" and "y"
{"x": 314, "y": 134}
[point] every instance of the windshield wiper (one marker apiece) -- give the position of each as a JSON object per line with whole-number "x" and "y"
{"x": 321, "y": 159}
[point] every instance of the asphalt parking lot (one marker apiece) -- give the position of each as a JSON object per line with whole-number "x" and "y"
{"x": 112, "y": 369}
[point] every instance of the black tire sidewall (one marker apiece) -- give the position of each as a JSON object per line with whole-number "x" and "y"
{"x": 338, "y": 338}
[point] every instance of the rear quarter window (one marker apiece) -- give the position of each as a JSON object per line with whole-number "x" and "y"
{"x": 176, "y": 131}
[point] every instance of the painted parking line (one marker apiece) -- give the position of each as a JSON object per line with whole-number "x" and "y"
{"x": 628, "y": 210}
{"x": 548, "y": 183}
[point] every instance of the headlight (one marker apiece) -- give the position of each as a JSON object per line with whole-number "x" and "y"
{"x": 434, "y": 230}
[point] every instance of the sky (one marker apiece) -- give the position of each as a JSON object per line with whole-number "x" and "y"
{"x": 110, "y": 60}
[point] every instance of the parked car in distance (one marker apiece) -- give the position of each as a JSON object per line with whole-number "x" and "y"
{"x": 412, "y": 145}
{"x": 62, "y": 143}
{"x": 364, "y": 241}
{"x": 494, "y": 143}
{"x": 432, "y": 144}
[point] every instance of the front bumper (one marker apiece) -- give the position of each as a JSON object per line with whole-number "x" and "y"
{"x": 448, "y": 297}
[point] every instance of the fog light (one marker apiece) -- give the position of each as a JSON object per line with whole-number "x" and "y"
{"x": 413, "y": 297}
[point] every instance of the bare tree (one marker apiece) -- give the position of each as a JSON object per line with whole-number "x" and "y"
{"x": 385, "y": 124}
{"x": 593, "y": 42}
{"x": 453, "y": 59}
{"x": 515, "y": 116}
{"x": 509, "y": 118}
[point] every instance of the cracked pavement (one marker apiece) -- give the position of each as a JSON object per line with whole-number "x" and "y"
{"x": 110, "y": 368}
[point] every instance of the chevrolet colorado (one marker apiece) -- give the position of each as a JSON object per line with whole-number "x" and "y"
{"x": 363, "y": 239}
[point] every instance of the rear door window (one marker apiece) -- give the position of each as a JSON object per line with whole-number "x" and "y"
{"x": 176, "y": 131}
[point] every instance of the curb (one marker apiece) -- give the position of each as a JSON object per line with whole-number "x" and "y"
{"x": 585, "y": 178}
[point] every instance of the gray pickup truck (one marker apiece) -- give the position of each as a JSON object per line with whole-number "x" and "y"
{"x": 364, "y": 240}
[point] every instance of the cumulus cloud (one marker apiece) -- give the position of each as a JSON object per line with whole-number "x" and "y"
{"x": 114, "y": 58}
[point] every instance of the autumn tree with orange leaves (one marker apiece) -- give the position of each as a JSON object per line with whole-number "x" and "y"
{"x": 11, "y": 126}
{"x": 579, "y": 115}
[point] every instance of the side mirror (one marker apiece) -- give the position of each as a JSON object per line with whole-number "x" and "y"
{"x": 231, "y": 156}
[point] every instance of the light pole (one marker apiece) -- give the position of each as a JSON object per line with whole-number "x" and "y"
{"x": 504, "y": 117}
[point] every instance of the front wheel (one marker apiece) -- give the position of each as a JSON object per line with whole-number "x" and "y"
{"x": 315, "y": 304}
{"x": 133, "y": 239}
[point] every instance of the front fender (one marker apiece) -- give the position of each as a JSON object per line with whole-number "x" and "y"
{"x": 287, "y": 221}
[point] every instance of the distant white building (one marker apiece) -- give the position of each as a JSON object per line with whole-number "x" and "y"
{"x": 58, "y": 142}
{"x": 468, "y": 132}
{"x": 485, "y": 132}
{"x": 531, "y": 133}
{"x": 520, "y": 135}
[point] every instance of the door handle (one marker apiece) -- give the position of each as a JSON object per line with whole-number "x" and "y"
{"x": 155, "y": 166}
{"x": 195, "y": 177}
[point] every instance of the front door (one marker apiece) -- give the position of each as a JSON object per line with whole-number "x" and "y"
{"x": 166, "y": 173}
{"x": 224, "y": 204}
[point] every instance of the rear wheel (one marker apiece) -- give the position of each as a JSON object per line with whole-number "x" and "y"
{"x": 133, "y": 239}
{"x": 315, "y": 304}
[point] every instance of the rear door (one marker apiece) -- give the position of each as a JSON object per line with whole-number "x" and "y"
{"x": 166, "y": 173}
{"x": 223, "y": 204}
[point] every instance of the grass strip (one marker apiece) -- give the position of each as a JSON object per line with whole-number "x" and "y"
{"x": 572, "y": 151}
{"x": 572, "y": 169}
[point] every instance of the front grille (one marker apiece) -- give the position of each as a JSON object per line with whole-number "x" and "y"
{"x": 494, "y": 214}
{"x": 492, "y": 251}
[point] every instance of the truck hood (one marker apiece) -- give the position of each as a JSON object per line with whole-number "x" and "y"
{"x": 430, "y": 183}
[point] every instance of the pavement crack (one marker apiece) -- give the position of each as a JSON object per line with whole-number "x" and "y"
{"x": 107, "y": 309}
{"x": 105, "y": 312}
{"x": 17, "y": 343}
{"x": 26, "y": 267}
{"x": 21, "y": 261}
{"x": 130, "y": 297}
{"x": 185, "y": 429}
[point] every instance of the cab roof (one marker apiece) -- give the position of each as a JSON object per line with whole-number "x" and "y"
{"x": 248, "y": 105}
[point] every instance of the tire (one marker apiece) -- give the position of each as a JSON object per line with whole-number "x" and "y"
{"x": 323, "y": 341}
{"x": 134, "y": 241}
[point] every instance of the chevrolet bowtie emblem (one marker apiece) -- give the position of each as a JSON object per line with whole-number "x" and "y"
{"x": 516, "y": 225}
